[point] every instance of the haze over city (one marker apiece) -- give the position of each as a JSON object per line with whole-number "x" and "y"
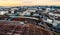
{"x": 29, "y": 2}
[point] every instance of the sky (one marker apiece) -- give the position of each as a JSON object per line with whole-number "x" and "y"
{"x": 29, "y": 2}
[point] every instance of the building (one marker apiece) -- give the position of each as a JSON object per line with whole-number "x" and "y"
{"x": 3, "y": 12}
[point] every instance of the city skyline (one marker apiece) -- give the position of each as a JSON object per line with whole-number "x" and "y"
{"x": 29, "y": 2}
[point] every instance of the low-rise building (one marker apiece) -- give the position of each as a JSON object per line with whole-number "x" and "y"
{"x": 3, "y": 12}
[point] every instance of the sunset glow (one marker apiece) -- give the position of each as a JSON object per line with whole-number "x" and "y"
{"x": 29, "y": 2}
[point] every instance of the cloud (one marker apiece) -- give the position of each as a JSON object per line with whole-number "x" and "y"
{"x": 55, "y": 0}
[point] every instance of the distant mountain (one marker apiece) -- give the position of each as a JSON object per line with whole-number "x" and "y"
{"x": 57, "y": 7}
